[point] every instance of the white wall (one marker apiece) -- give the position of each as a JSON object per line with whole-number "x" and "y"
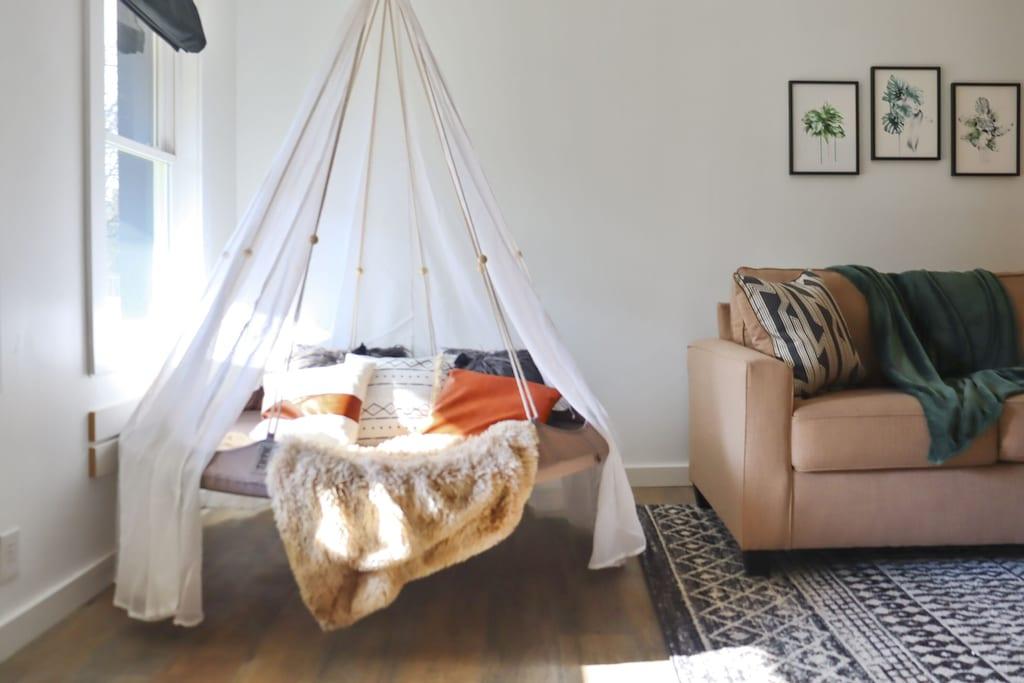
{"x": 66, "y": 519}
{"x": 639, "y": 151}
{"x": 220, "y": 213}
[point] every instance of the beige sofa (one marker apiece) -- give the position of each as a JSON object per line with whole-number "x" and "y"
{"x": 844, "y": 469}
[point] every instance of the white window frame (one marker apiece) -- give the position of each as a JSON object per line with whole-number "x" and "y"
{"x": 178, "y": 247}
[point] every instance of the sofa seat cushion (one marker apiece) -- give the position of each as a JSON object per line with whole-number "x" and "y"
{"x": 1011, "y": 430}
{"x": 871, "y": 429}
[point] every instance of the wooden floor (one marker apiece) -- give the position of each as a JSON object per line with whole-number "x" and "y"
{"x": 528, "y": 610}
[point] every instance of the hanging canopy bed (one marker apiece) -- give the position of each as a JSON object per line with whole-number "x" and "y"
{"x": 375, "y": 223}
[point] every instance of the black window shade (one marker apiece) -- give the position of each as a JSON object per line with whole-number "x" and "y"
{"x": 176, "y": 21}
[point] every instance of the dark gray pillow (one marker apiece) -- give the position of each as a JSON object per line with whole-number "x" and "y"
{"x": 496, "y": 363}
{"x": 316, "y": 357}
{"x": 319, "y": 356}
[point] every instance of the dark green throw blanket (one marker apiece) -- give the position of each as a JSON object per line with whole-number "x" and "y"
{"x": 948, "y": 339}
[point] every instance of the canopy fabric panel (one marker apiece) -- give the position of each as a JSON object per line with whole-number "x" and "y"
{"x": 176, "y": 21}
{"x": 376, "y": 224}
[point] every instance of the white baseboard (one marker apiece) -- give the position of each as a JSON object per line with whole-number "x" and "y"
{"x": 42, "y": 614}
{"x": 643, "y": 476}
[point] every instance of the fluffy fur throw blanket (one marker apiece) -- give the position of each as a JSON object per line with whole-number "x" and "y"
{"x": 359, "y": 523}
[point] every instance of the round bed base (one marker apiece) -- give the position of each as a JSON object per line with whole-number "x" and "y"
{"x": 564, "y": 450}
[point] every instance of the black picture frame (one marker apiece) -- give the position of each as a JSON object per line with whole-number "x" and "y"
{"x": 875, "y": 156}
{"x": 856, "y": 126}
{"x": 954, "y": 128}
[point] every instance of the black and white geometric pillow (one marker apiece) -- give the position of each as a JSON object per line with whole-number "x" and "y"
{"x": 807, "y": 330}
{"x": 398, "y": 398}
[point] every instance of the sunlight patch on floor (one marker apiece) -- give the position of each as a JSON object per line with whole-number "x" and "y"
{"x": 730, "y": 664}
{"x": 727, "y": 664}
{"x": 221, "y": 510}
{"x": 630, "y": 672}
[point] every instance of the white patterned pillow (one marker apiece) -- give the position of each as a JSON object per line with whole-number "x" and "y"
{"x": 807, "y": 331}
{"x": 399, "y": 398}
{"x": 323, "y": 400}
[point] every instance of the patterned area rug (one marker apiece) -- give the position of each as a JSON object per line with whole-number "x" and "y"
{"x": 921, "y": 615}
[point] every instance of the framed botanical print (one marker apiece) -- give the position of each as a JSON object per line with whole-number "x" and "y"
{"x": 986, "y": 129}
{"x": 905, "y": 113}
{"x": 823, "y": 135}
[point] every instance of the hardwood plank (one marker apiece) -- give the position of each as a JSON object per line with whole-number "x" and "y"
{"x": 528, "y": 610}
{"x": 663, "y": 495}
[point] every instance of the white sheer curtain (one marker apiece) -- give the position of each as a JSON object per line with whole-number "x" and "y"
{"x": 320, "y": 184}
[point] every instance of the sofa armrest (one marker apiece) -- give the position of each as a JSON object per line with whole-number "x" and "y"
{"x": 741, "y": 409}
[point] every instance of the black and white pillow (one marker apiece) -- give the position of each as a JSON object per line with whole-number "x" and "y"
{"x": 399, "y": 398}
{"x": 807, "y": 331}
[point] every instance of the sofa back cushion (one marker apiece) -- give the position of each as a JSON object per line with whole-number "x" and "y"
{"x": 853, "y": 305}
{"x": 1014, "y": 284}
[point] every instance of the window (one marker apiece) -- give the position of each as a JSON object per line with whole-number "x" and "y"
{"x": 143, "y": 189}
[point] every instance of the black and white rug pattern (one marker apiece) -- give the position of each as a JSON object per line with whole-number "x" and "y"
{"x": 922, "y": 615}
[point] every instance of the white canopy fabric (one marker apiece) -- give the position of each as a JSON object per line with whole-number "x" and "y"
{"x": 370, "y": 226}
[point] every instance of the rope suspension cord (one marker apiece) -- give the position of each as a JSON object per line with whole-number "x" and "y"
{"x": 368, "y": 178}
{"x": 258, "y": 234}
{"x": 491, "y": 207}
{"x": 423, "y": 57}
{"x": 413, "y": 189}
{"x": 525, "y": 397}
{"x": 275, "y": 416}
{"x": 414, "y": 204}
{"x": 524, "y": 394}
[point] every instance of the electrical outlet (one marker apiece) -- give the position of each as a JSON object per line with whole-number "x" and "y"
{"x": 9, "y": 541}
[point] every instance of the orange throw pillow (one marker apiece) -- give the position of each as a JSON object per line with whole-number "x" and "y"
{"x": 345, "y": 405}
{"x": 470, "y": 402}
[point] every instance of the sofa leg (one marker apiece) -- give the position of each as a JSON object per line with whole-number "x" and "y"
{"x": 702, "y": 502}
{"x": 757, "y": 563}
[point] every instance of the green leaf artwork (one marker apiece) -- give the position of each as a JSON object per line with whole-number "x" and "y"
{"x": 905, "y": 109}
{"x": 825, "y": 124}
{"x": 983, "y": 129}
